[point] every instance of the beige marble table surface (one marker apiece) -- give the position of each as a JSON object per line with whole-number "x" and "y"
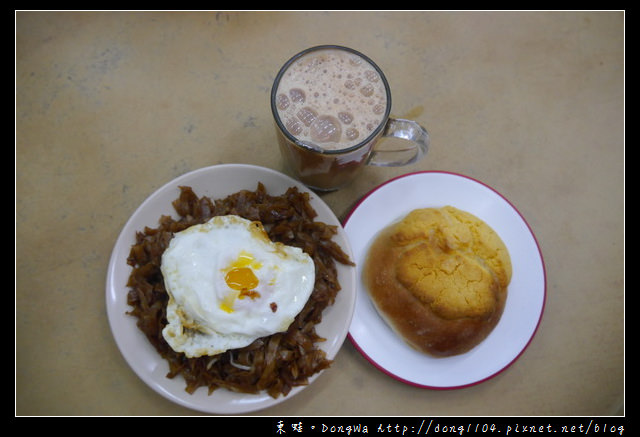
{"x": 112, "y": 105}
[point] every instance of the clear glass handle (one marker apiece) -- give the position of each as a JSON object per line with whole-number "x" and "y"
{"x": 411, "y": 151}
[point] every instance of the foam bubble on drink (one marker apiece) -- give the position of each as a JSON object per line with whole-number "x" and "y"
{"x": 331, "y": 98}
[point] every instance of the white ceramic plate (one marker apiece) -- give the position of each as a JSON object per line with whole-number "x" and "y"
{"x": 214, "y": 182}
{"x": 526, "y": 293}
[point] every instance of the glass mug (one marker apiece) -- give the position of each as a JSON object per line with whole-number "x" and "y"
{"x": 331, "y": 106}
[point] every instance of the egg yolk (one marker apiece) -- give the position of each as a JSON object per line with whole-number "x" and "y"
{"x": 240, "y": 277}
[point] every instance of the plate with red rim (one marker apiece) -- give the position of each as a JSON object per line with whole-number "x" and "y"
{"x": 526, "y": 294}
{"x": 215, "y": 182}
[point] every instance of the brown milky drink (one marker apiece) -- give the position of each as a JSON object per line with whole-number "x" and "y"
{"x": 331, "y": 104}
{"x": 331, "y": 98}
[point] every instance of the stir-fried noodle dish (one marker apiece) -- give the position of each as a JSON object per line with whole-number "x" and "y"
{"x": 275, "y": 363}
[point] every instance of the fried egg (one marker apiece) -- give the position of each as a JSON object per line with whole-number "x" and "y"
{"x": 229, "y": 284}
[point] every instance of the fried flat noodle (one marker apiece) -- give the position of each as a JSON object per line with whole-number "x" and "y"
{"x": 275, "y": 363}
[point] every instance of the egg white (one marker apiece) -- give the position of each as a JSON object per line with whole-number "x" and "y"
{"x": 205, "y": 315}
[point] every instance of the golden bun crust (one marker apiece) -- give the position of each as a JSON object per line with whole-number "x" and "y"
{"x": 439, "y": 277}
